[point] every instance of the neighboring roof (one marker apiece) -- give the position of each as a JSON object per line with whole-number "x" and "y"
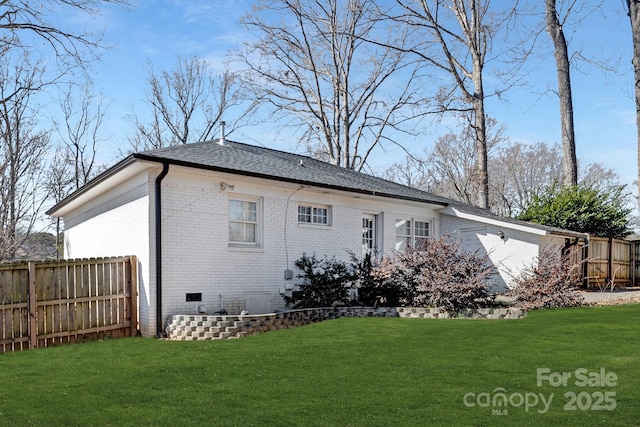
{"x": 261, "y": 162}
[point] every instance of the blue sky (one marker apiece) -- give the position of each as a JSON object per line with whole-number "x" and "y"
{"x": 157, "y": 31}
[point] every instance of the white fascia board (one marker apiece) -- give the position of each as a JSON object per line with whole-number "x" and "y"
{"x": 450, "y": 210}
{"x": 92, "y": 190}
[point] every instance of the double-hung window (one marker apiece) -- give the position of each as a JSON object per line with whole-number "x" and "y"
{"x": 314, "y": 214}
{"x": 411, "y": 232}
{"x": 244, "y": 222}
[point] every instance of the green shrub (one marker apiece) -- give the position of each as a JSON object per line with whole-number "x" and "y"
{"x": 592, "y": 210}
{"x": 325, "y": 282}
{"x": 373, "y": 292}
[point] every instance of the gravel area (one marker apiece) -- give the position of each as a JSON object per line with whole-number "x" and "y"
{"x": 618, "y": 296}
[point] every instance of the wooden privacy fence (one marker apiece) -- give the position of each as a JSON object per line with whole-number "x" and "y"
{"x": 44, "y": 303}
{"x": 611, "y": 260}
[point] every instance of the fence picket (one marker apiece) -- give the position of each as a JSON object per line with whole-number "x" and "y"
{"x": 611, "y": 260}
{"x": 53, "y": 302}
{"x": 100, "y": 292}
{"x": 33, "y": 323}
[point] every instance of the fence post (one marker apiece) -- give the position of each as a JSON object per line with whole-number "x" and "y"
{"x": 634, "y": 261}
{"x": 133, "y": 292}
{"x": 634, "y": 251}
{"x": 33, "y": 322}
{"x": 610, "y": 260}
{"x": 585, "y": 265}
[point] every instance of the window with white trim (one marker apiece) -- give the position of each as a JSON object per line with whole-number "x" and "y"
{"x": 370, "y": 237}
{"x": 244, "y": 225}
{"x": 314, "y": 214}
{"x": 411, "y": 232}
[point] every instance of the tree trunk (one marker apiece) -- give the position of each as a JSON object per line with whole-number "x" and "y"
{"x": 480, "y": 127}
{"x": 569, "y": 160}
{"x": 633, "y": 8}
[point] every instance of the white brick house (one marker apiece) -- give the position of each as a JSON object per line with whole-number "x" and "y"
{"x": 220, "y": 225}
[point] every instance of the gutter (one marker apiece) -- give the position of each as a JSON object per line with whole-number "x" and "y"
{"x": 158, "y": 208}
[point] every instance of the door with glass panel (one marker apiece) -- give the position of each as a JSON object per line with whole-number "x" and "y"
{"x": 369, "y": 234}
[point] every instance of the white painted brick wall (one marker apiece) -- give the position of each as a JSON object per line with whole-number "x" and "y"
{"x": 197, "y": 257}
{"x": 518, "y": 249}
{"x": 114, "y": 229}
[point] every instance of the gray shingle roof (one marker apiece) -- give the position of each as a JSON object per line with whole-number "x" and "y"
{"x": 250, "y": 160}
{"x": 261, "y": 162}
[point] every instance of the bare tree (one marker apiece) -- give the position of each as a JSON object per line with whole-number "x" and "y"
{"x": 22, "y": 151}
{"x": 454, "y": 161}
{"x": 74, "y": 159}
{"x": 19, "y": 18}
{"x": 448, "y": 168}
{"x": 453, "y": 164}
{"x": 26, "y": 27}
{"x": 633, "y": 9}
{"x": 561, "y": 53}
{"x": 314, "y": 65}
{"x": 521, "y": 172}
{"x": 596, "y": 175}
{"x": 186, "y": 104}
{"x": 412, "y": 171}
{"x": 59, "y": 184}
{"x": 79, "y": 131}
{"x": 463, "y": 30}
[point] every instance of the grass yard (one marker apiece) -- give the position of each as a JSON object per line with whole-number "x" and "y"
{"x": 368, "y": 371}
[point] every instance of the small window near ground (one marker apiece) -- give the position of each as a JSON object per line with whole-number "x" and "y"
{"x": 194, "y": 296}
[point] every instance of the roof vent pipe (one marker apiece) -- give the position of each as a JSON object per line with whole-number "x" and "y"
{"x": 221, "y": 141}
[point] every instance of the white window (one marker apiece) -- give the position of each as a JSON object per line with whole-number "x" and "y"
{"x": 244, "y": 222}
{"x": 314, "y": 214}
{"x": 411, "y": 232}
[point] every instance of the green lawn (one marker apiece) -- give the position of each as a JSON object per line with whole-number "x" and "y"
{"x": 369, "y": 371}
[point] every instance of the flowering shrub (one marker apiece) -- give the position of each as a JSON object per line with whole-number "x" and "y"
{"x": 438, "y": 274}
{"x": 547, "y": 282}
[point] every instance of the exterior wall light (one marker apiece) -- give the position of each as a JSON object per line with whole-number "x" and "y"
{"x": 224, "y": 186}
